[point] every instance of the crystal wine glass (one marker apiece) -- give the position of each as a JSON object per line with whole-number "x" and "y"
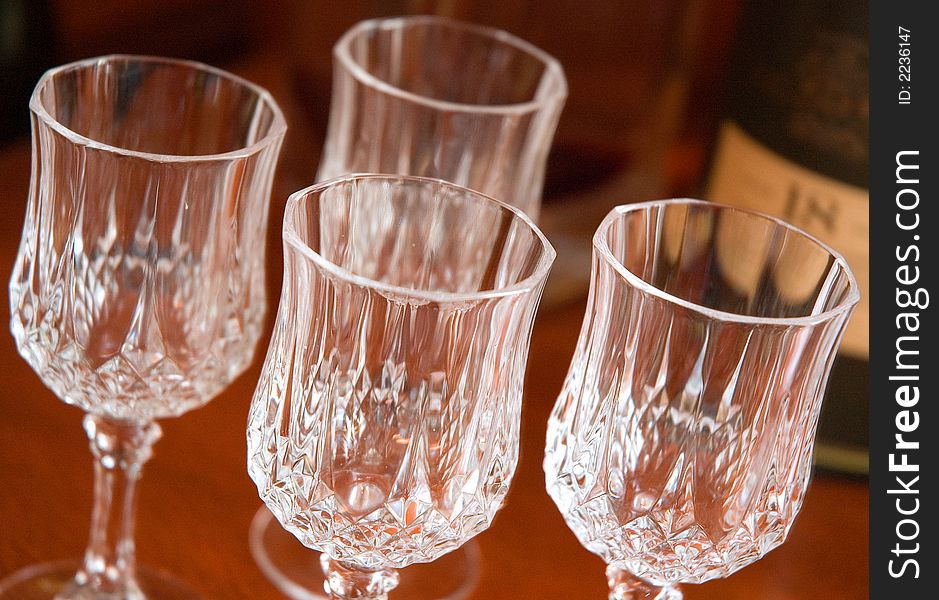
{"x": 436, "y": 97}
{"x": 680, "y": 447}
{"x": 384, "y": 430}
{"x": 433, "y": 97}
{"x": 138, "y": 291}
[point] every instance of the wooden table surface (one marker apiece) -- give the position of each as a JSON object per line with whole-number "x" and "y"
{"x": 196, "y": 500}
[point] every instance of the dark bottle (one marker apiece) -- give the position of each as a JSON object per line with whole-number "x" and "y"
{"x": 794, "y": 143}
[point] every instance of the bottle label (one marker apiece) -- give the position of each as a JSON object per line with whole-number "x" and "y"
{"x": 747, "y": 174}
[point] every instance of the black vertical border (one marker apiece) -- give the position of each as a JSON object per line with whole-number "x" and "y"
{"x": 894, "y": 128}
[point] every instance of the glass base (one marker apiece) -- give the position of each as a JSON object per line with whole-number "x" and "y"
{"x": 669, "y": 592}
{"x": 626, "y": 586}
{"x": 45, "y": 581}
{"x": 295, "y": 569}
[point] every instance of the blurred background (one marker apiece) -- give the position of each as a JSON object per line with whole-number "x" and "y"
{"x": 632, "y": 66}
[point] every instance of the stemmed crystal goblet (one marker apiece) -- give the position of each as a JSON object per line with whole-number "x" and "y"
{"x": 436, "y": 97}
{"x": 384, "y": 430}
{"x": 680, "y": 447}
{"x": 433, "y": 97}
{"x": 138, "y": 291}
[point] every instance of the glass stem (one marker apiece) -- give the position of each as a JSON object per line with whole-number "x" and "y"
{"x": 345, "y": 581}
{"x": 626, "y": 586}
{"x": 120, "y": 449}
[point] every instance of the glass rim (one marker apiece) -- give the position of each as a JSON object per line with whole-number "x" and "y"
{"x": 536, "y": 278}
{"x": 277, "y": 129}
{"x": 552, "y": 66}
{"x": 602, "y": 249}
